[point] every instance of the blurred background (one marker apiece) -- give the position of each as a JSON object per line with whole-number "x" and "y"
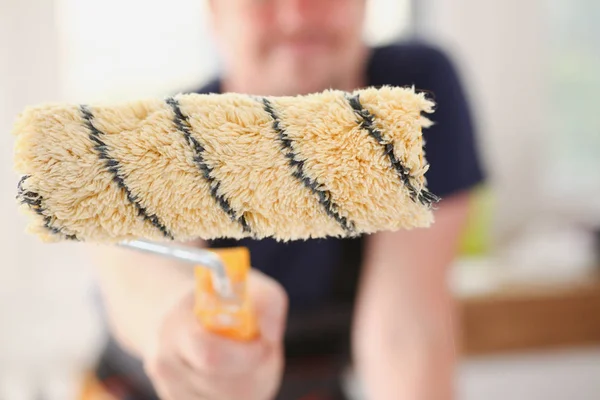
{"x": 528, "y": 280}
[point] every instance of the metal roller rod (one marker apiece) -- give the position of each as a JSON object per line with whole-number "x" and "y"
{"x": 190, "y": 255}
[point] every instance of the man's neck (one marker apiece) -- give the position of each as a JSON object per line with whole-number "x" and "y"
{"x": 353, "y": 78}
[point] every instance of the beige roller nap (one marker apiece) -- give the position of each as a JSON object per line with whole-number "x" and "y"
{"x": 230, "y": 165}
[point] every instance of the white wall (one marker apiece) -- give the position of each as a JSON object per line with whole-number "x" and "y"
{"x": 47, "y": 327}
{"x": 520, "y": 68}
{"x": 570, "y": 374}
{"x": 499, "y": 46}
{"x": 118, "y": 50}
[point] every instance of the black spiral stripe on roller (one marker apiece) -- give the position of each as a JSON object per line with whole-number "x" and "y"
{"x": 183, "y": 125}
{"x": 331, "y": 209}
{"x": 367, "y": 122}
{"x": 35, "y": 202}
{"x": 114, "y": 167}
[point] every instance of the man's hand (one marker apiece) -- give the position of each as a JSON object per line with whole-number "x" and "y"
{"x": 189, "y": 363}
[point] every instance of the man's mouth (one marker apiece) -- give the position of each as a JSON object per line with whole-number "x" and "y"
{"x": 304, "y": 46}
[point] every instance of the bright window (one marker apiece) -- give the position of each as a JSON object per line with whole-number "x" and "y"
{"x": 573, "y": 117}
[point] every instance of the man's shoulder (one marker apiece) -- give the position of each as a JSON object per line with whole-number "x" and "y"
{"x": 404, "y": 62}
{"x": 212, "y": 86}
{"x": 410, "y": 50}
{"x": 414, "y": 52}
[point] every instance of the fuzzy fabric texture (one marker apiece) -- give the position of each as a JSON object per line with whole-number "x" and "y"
{"x": 229, "y": 165}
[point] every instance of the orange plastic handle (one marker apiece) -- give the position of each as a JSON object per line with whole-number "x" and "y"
{"x": 232, "y": 318}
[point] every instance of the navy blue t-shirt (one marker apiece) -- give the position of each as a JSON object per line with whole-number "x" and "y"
{"x": 307, "y": 269}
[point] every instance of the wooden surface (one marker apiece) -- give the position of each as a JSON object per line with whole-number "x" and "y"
{"x": 526, "y": 318}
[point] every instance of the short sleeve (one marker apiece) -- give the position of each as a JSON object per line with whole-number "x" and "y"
{"x": 450, "y": 144}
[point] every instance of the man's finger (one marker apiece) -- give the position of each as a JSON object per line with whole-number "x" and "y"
{"x": 270, "y": 302}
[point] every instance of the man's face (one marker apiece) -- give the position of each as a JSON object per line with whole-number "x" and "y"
{"x": 289, "y": 46}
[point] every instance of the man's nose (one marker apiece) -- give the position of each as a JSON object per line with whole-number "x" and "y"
{"x": 298, "y": 15}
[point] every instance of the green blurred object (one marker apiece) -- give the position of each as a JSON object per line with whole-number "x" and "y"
{"x": 476, "y": 239}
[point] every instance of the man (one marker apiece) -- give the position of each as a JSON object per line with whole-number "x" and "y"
{"x": 402, "y": 330}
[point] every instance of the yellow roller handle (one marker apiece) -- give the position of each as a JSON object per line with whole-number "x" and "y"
{"x": 233, "y": 318}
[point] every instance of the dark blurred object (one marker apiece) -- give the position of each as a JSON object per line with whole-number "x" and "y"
{"x": 325, "y": 330}
{"x": 317, "y": 341}
{"x": 315, "y": 378}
